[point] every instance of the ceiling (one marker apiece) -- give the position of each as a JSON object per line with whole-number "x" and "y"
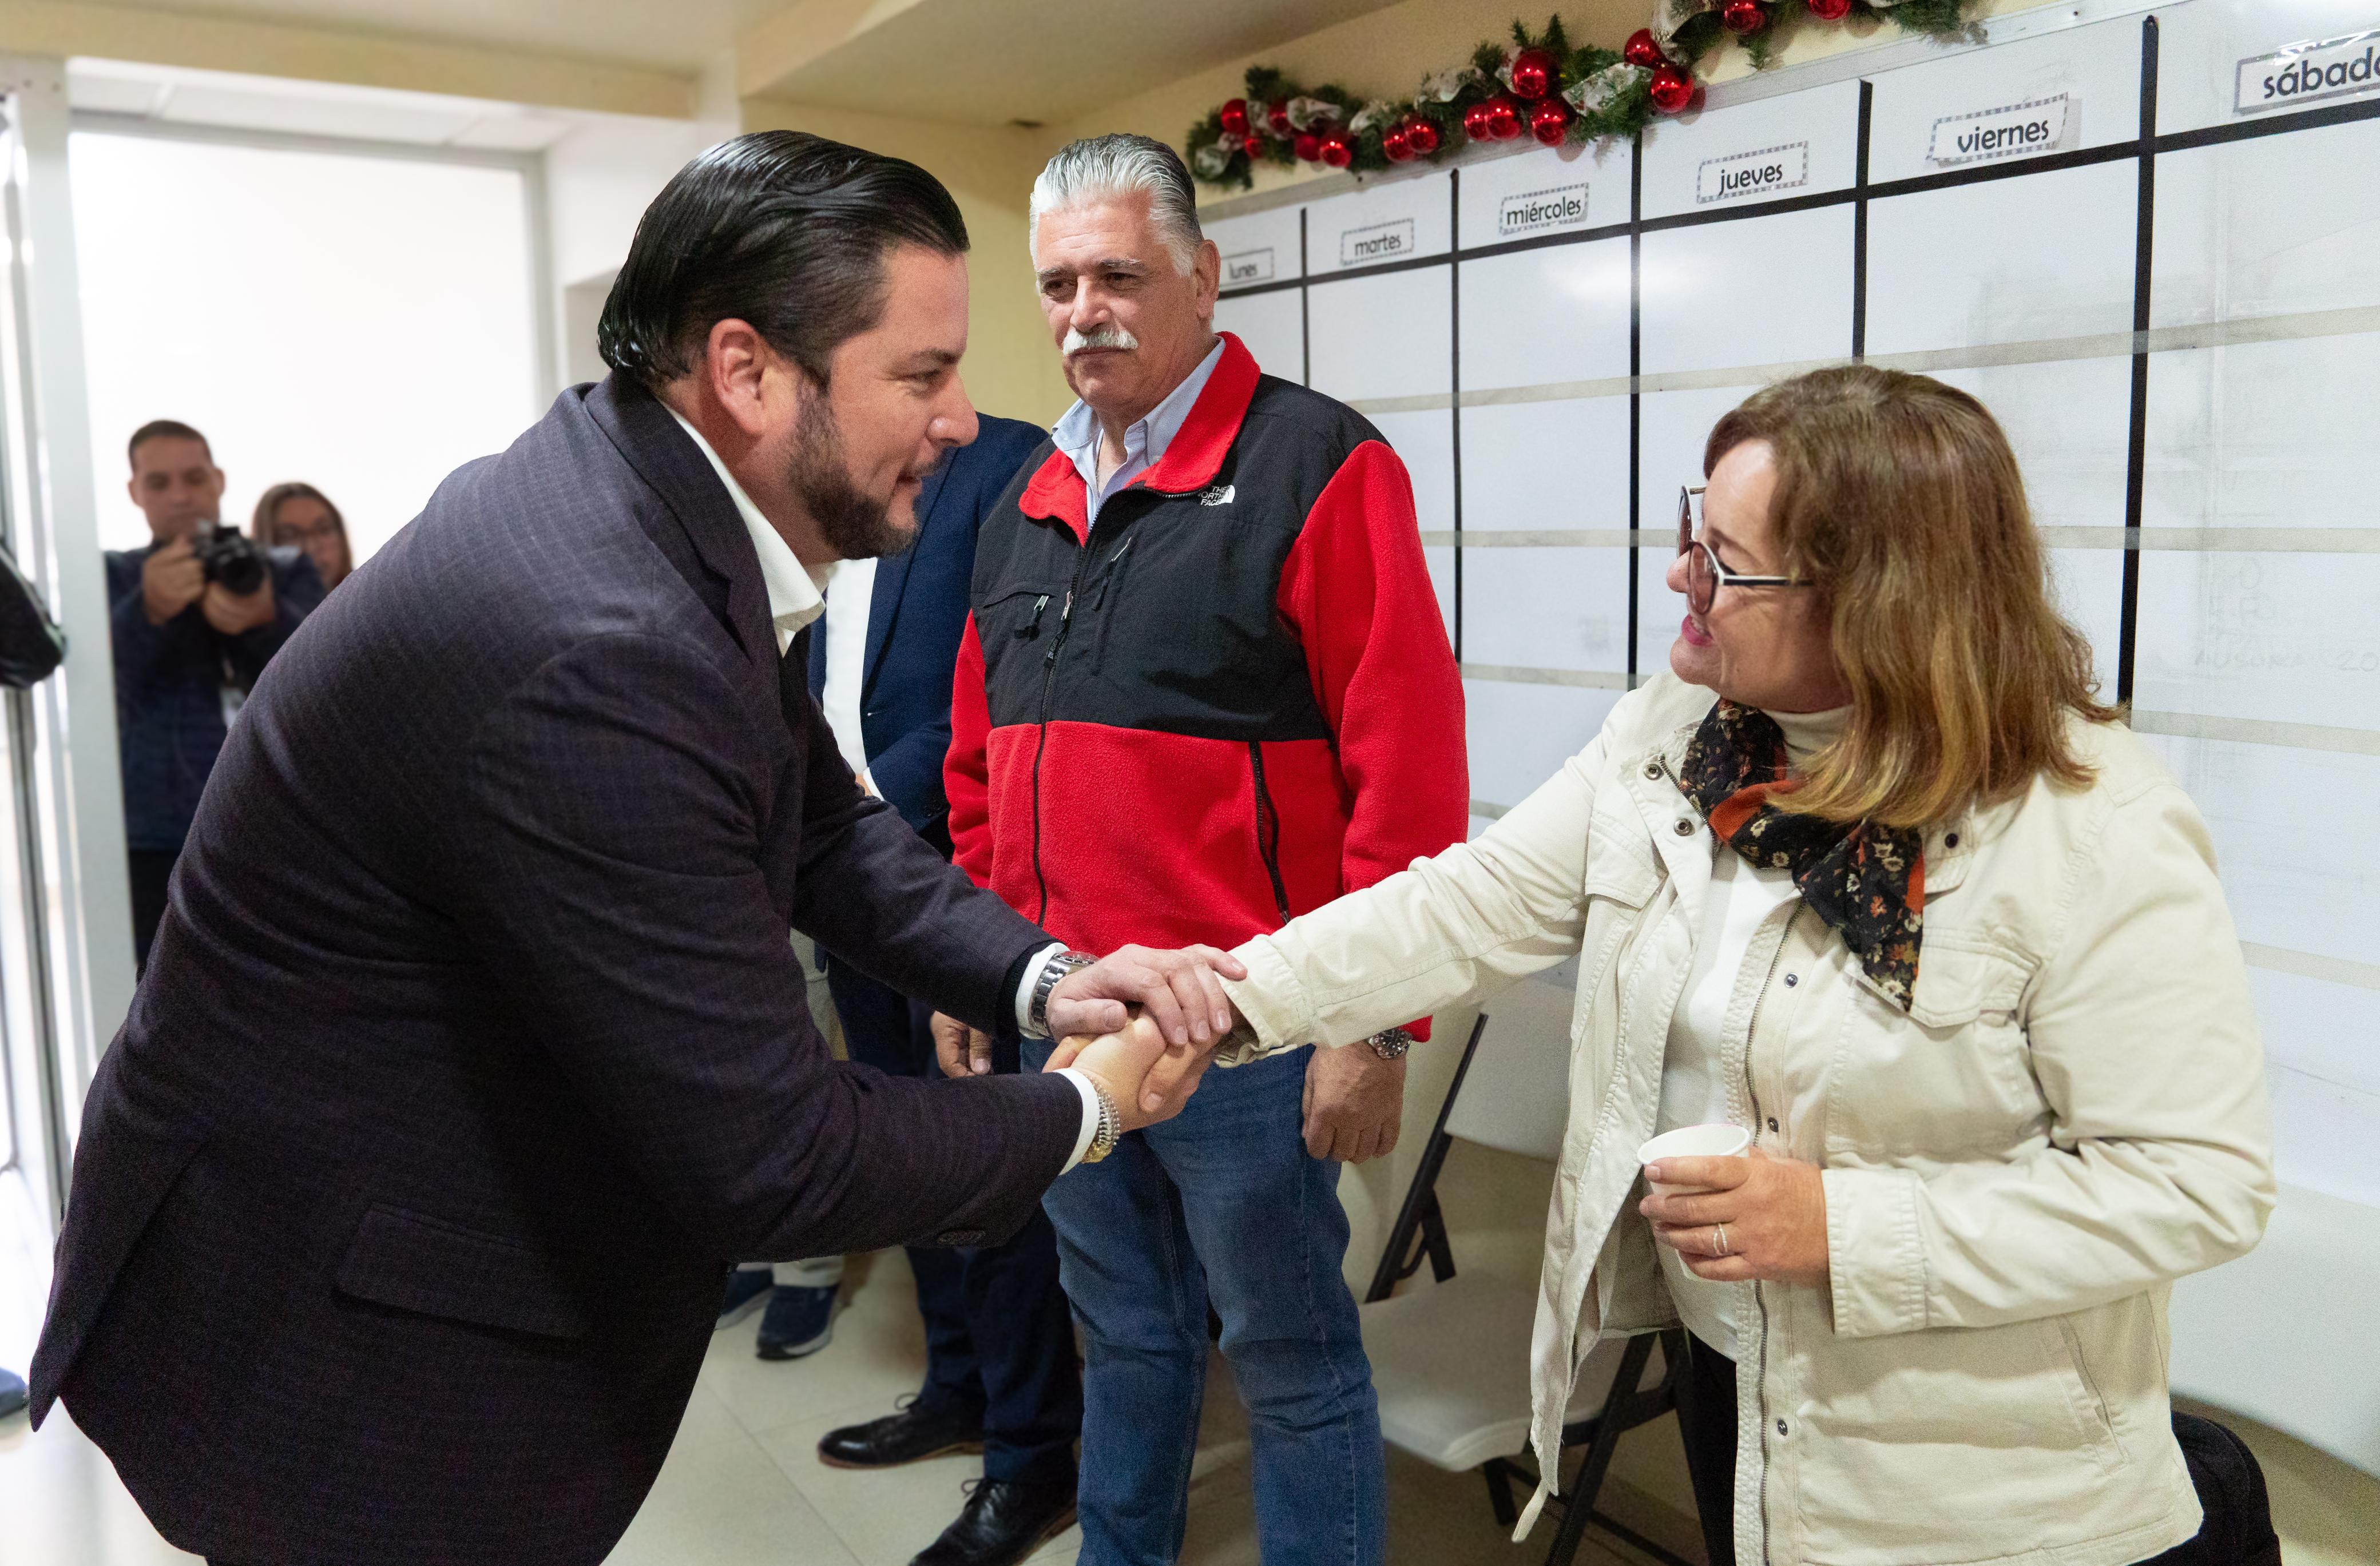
{"x": 988, "y": 62}
{"x": 968, "y": 62}
{"x": 176, "y": 95}
{"x": 678, "y": 36}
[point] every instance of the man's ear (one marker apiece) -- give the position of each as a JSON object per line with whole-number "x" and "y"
{"x": 1206, "y": 277}
{"x": 736, "y": 365}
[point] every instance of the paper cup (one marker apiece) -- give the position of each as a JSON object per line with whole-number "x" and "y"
{"x": 1714, "y": 1141}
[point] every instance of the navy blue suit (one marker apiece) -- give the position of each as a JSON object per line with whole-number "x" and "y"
{"x": 998, "y": 1340}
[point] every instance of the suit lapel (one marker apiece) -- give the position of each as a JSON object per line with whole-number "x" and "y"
{"x": 666, "y": 457}
{"x": 893, "y": 579}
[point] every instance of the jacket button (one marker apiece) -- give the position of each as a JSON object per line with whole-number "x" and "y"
{"x": 1653, "y": 770}
{"x": 1772, "y": 1122}
{"x": 1780, "y": 1426}
{"x": 1686, "y": 828}
{"x": 1791, "y": 980}
{"x": 1950, "y": 839}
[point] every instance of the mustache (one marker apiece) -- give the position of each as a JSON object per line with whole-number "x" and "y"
{"x": 1109, "y": 336}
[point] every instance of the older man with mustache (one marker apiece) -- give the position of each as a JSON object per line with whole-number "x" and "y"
{"x": 1206, "y": 687}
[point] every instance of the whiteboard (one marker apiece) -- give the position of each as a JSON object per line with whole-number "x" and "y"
{"x": 2168, "y": 292}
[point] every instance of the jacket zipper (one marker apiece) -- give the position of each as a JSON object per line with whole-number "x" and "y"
{"x": 1042, "y": 738}
{"x": 1268, "y": 830}
{"x": 1751, "y": 1094}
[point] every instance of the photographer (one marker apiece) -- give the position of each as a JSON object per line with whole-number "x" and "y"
{"x": 196, "y": 615}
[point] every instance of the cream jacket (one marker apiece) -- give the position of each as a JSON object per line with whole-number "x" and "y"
{"x": 2072, "y": 1115}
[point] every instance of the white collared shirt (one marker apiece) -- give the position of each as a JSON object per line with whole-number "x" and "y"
{"x": 797, "y": 597}
{"x": 796, "y": 593}
{"x": 853, "y": 587}
{"x": 1144, "y": 444}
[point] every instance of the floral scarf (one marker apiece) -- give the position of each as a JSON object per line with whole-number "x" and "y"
{"x": 1867, "y": 882}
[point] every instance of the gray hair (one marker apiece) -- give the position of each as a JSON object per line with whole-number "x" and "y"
{"x": 1102, "y": 168}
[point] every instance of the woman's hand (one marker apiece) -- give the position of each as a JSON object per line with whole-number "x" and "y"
{"x": 1146, "y": 1079}
{"x": 1752, "y": 1216}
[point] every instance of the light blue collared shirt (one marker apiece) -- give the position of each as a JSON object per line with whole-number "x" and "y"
{"x": 1077, "y": 434}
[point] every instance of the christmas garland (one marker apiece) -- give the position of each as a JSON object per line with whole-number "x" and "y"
{"x": 1538, "y": 85}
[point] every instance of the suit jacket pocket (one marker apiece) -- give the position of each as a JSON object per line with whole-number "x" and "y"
{"x": 439, "y": 1269}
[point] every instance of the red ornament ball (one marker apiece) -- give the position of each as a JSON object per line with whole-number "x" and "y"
{"x": 1394, "y": 146}
{"x": 1235, "y": 116}
{"x": 1277, "y": 119}
{"x": 1830, "y": 10}
{"x": 1308, "y": 146}
{"x": 1639, "y": 50}
{"x": 1532, "y": 74}
{"x": 1503, "y": 119}
{"x": 1550, "y": 122}
{"x": 1671, "y": 89}
{"x": 1475, "y": 123}
{"x": 1337, "y": 151}
{"x": 1743, "y": 16}
{"x": 1421, "y": 138}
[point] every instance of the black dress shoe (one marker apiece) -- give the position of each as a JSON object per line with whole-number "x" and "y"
{"x": 908, "y": 1435}
{"x": 1002, "y": 1524}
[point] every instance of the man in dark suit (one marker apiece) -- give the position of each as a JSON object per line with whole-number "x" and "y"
{"x": 405, "y": 1194}
{"x": 999, "y": 1344}
{"x": 189, "y": 648}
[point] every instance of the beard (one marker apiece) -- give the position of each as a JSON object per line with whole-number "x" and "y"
{"x": 853, "y": 524}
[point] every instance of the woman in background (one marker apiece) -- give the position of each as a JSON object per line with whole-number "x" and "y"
{"x": 297, "y": 515}
{"x": 1874, "y": 877}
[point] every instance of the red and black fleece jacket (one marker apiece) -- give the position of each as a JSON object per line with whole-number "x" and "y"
{"x": 1229, "y": 703}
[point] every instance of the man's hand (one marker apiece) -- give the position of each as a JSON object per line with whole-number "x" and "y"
{"x": 961, "y": 1051}
{"x": 1355, "y": 1103}
{"x": 231, "y": 612}
{"x": 1752, "y": 1216}
{"x": 171, "y": 580}
{"x": 1178, "y": 989}
{"x": 1124, "y": 1063}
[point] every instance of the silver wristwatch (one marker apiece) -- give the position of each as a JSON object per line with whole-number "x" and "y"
{"x": 1390, "y": 1043}
{"x": 1110, "y": 1126}
{"x": 1061, "y": 964}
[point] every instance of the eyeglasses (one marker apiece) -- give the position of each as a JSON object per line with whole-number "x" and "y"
{"x": 1704, "y": 574}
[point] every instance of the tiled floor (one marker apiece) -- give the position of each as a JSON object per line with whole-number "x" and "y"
{"x": 743, "y": 1485}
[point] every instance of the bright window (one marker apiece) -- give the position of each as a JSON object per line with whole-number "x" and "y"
{"x": 363, "y": 324}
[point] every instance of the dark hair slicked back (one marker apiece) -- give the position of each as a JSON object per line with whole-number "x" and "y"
{"x": 782, "y": 229}
{"x": 162, "y": 430}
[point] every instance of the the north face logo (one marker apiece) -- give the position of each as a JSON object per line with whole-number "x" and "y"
{"x": 1220, "y": 496}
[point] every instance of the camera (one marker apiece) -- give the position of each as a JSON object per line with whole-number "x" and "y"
{"x": 229, "y": 557}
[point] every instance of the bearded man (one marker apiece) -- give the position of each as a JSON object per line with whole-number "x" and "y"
{"x": 406, "y": 1194}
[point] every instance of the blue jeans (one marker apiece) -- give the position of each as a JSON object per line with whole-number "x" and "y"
{"x": 1225, "y": 1203}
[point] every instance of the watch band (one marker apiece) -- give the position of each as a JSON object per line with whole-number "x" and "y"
{"x": 1110, "y": 1126}
{"x": 1061, "y": 964}
{"x": 1390, "y": 1043}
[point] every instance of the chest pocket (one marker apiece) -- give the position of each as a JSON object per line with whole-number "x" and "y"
{"x": 1621, "y": 867}
{"x": 1952, "y": 1076}
{"x": 1016, "y": 629}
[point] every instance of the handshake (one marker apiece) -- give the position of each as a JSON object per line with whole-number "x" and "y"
{"x": 1149, "y": 1060}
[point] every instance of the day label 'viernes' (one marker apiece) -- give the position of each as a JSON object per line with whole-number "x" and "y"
{"x": 1741, "y": 176}
{"x": 2036, "y": 125}
{"x": 1376, "y": 242}
{"x": 1537, "y": 210}
{"x": 2303, "y": 72}
{"x": 1249, "y": 266}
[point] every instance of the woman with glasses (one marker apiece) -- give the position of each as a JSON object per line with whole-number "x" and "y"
{"x": 1872, "y": 876}
{"x": 298, "y": 516}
